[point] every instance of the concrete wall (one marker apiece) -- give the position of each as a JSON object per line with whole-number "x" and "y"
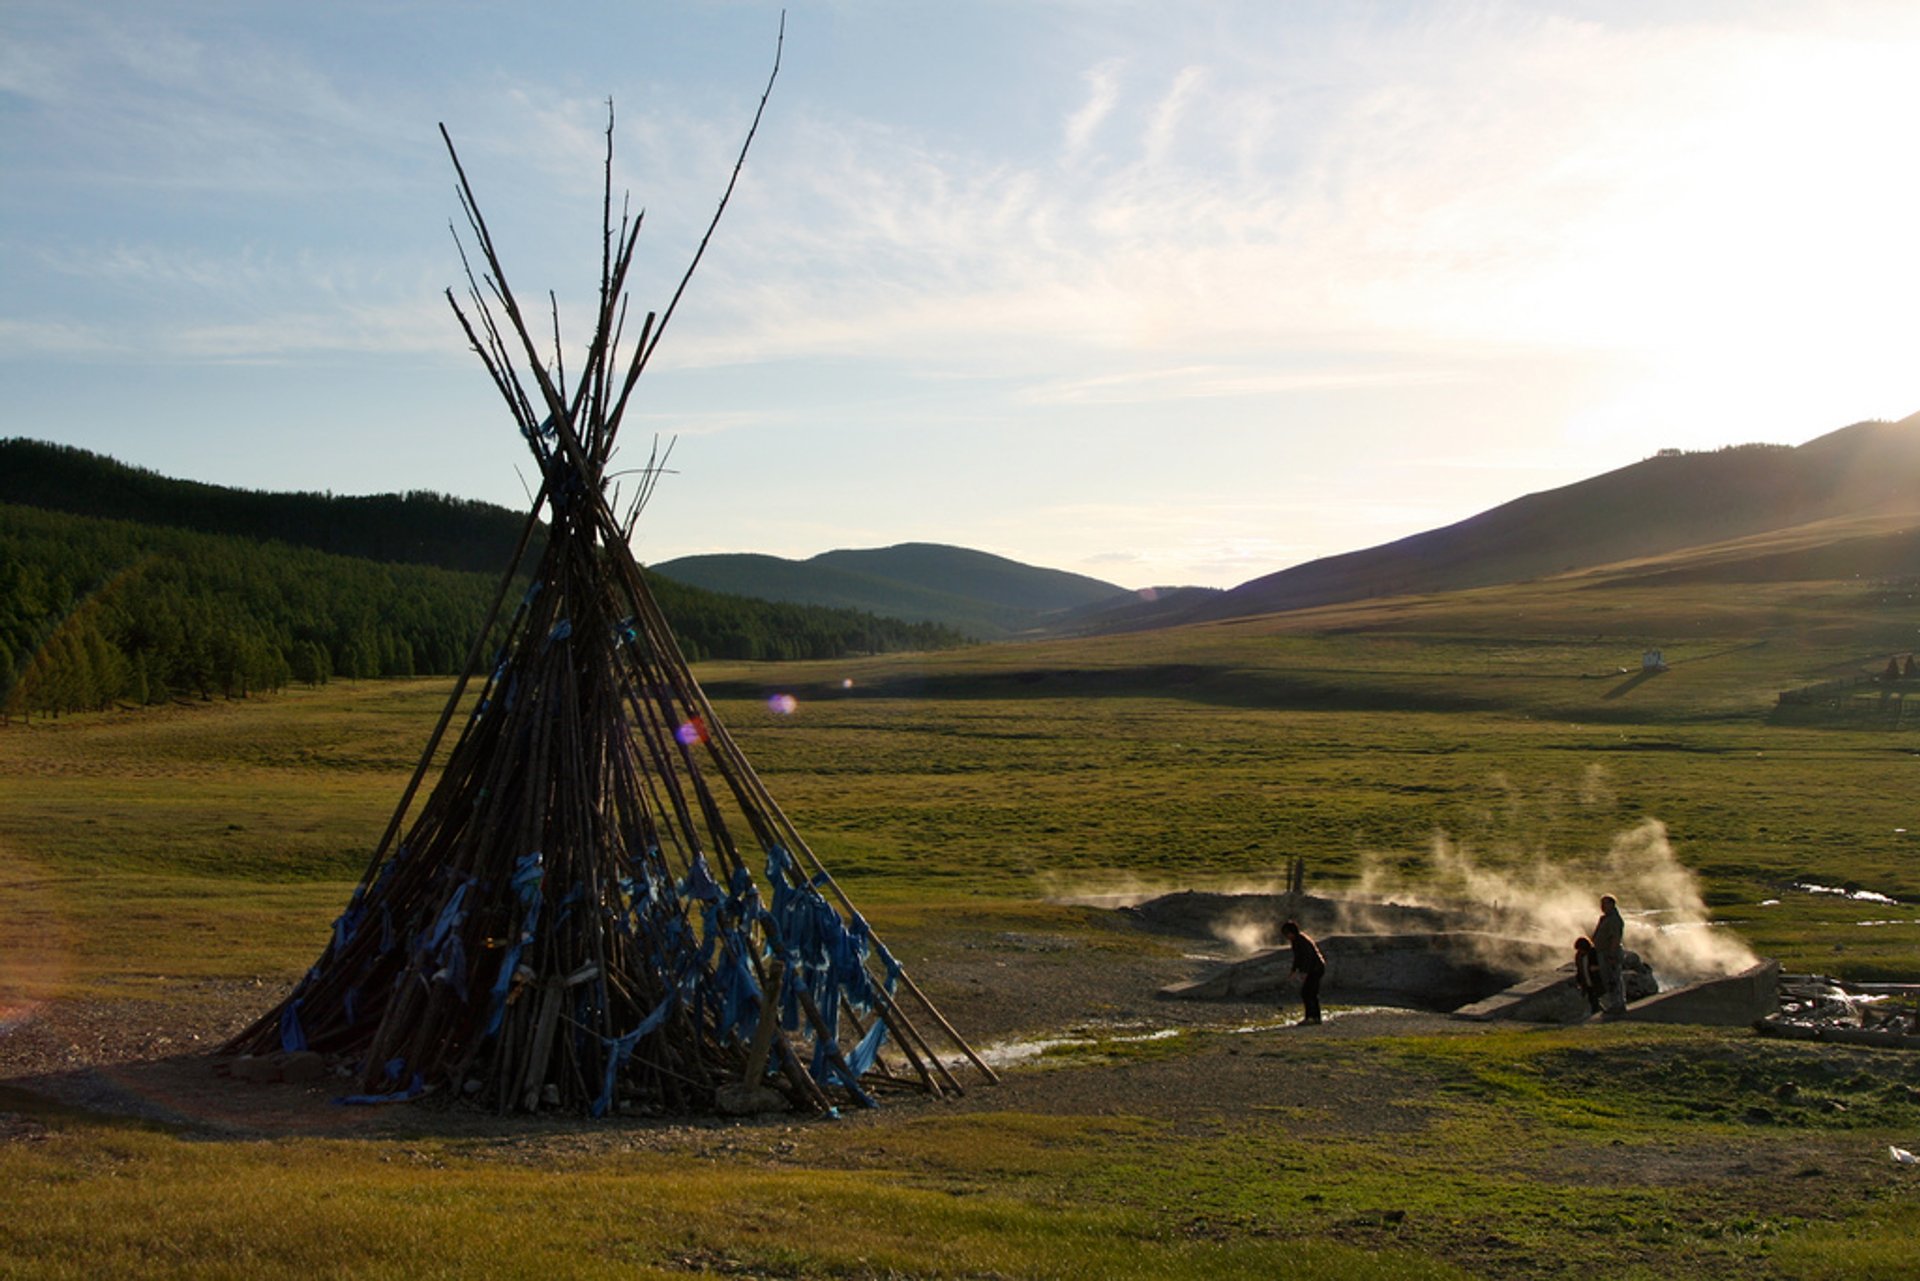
{"x": 1438, "y": 971}
{"x": 1735, "y": 1001}
{"x": 1544, "y": 998}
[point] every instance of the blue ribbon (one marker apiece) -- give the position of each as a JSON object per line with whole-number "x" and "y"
{"x": 450, "y": 916}
{"x": 292, "y": 1036}
{"x": 413, "y": 1090}
{"x": 528, "y": 873}
{"x": 619, "y": 1047}
{"x": 861, "y": 1060}
{"x": 453, "y": 966}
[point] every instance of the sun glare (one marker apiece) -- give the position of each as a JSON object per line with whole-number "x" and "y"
{"x": 1756, "y": 257}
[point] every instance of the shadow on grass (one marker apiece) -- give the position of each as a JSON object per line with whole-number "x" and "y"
{"x": 1632, "y": 683}
{"x": 1215, "y": 686}
{"x": 183, "y": 1095}
{"x": 1322, "y": 689}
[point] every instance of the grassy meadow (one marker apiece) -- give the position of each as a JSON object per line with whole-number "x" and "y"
{"x": 149, "y": 860}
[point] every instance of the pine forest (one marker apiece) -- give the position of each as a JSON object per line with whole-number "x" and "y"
{"x": 97, "y": 612}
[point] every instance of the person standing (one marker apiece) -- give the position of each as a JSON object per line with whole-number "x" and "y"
{"x": 1609, "y": 944}
{"x": 1311, "y": 966}
{"x": 1586, "y": 973}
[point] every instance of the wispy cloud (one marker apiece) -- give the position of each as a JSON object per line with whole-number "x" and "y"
{"x": 690, "y": 423}
{"x": 147, "y": 104}
{"x": 1164, "y": 125}
{"x": 1103, "y": 91}
{"x": 1497, "y": 185}
{"x": 1497, "y": 182}
{"x": 1206, "y": 382}
{"x": 35, "y": 338}
{"x": 414, "y": 329}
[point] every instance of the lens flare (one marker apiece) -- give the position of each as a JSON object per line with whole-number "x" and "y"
{"x": 847, "y": 683}
{"x": 34, "y": 941}
{"x": 691, "y": 732}
{"x": 783, "y": 704}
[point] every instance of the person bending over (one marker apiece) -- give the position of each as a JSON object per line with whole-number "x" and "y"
{"x": 1310, "y": 966}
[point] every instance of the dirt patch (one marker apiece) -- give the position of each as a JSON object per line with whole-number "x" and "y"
{"x": 152, "y": 1059}
{"x": 1074, "y": 1016}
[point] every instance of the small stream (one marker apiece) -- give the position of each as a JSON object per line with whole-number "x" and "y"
{"x": 1021, "y": 1053}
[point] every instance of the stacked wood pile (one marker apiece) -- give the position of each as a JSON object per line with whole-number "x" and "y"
{"x": 599, "y": 907}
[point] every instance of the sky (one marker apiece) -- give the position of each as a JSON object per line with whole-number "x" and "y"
{"x": 1162, "y": 294}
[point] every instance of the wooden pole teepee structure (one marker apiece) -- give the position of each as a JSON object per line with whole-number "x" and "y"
{"x": 599, "y": 906}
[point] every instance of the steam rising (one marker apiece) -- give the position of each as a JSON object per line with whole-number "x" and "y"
{"x": 1667, "y": 921}
{"x": 1541, "y": 900}
{"x": 1245, "y": 933}
{"x": 1112, "y": 891}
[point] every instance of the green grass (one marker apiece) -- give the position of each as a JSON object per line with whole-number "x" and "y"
{"x": 1643, "y": 1076}
{"x": 1496, "y": 1181}
{"x": 99, "y": 1200}
{"x": 1351, "y": 736}
{"x": 145, "y": 855}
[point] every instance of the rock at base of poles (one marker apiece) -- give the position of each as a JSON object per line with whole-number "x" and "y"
{"x": 297, "y": 1067}
{"x": 749, "y": 1100}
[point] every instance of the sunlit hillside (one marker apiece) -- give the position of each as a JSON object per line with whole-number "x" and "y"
{"x": 1663, "y": 505}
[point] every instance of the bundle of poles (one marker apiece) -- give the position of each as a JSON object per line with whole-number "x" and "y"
{"x": 599, "y": 907}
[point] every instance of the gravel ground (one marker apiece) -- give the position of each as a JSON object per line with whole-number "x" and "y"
{"x": 1014, "y": 994}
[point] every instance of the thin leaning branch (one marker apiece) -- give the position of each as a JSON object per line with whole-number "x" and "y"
{"x": 644, "y": 352}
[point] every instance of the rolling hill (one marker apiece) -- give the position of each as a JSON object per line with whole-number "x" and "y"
{"x": 986, "y": 596}
{"x": 1842, "y": 506}
{"x": 418, "y": 528}
{"x": 1839, "y": 506}
{"x": 1845, "y": 506}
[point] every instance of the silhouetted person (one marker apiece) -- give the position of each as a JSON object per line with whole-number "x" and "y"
{"x": 1609, "y": 944}
{"x": 1586, "y": 972}
{"x": 1310, "y": 965}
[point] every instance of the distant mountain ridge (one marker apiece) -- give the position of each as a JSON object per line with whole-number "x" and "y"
{"x": 1846, "y": 504}
{"x": 986, "y": 596}
{"x": 1661, "y": 505}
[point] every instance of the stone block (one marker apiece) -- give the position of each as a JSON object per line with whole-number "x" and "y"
{"x": 1738, "y": 1000}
